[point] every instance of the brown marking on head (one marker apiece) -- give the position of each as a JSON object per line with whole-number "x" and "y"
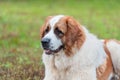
{"x": 45, "y": 27}
{"x": 73, "y": 34}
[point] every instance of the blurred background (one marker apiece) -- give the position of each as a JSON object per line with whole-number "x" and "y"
{"x": 20, "y": 22}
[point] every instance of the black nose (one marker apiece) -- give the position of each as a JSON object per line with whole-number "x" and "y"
{"x": 45, "y": 43}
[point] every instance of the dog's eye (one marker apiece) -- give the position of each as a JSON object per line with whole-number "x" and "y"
{"x": 47, "y": 30}
{"x": 58, "y": 32}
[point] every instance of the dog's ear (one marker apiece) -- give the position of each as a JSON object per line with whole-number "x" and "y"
{"x": 74, "y": 36}
{"x": 44, "y": 26}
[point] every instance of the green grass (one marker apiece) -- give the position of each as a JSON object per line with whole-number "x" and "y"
{"x": 20, "y": 22}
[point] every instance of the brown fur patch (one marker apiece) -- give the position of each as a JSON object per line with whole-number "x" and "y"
{"x": 104, "y": 71}
{"x": 45, "y": 25}
{"x": 74, "y": 35}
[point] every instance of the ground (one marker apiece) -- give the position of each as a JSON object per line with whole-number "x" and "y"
{"x": 20, "y": 22}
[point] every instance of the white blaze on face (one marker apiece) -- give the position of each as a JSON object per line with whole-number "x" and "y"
{"x": 55, "y": 42}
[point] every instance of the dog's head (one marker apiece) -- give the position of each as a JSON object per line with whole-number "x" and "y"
{"x": 61, "y": 33}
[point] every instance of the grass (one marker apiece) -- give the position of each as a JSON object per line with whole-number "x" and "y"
{"x": 20, "y": 21}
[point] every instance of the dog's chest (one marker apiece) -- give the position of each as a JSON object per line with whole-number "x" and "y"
{"x": 61, "y": 63}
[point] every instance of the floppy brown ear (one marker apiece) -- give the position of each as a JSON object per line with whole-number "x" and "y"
{"x": 42, "y": 29}
{"x": 41, "y": 32}
{"x": 74, "y": 36}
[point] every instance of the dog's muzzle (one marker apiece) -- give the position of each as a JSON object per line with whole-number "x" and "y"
{"x": 46, "y": 43}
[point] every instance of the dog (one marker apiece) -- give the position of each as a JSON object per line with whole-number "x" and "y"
{"x": 71, "y": 52}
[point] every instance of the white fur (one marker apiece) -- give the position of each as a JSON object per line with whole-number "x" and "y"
{"x": 81, "y": 66}
{"x": 114, "y": 49}
{"x": 55, "y": 19}
{"x": 54, "y": 41}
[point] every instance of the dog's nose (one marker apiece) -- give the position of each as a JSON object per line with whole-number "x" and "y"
{"x": 45, "y": 43}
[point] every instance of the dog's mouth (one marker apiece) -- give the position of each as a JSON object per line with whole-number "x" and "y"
{"x": 48, "y": 51}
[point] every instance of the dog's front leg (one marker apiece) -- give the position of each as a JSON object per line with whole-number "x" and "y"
{"x": 51, "y": 74}
{"x": 50, "y": 69}
{"x": 50, "y": 77}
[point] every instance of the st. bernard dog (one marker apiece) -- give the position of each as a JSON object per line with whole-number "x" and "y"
{"x": 71, "y": 52}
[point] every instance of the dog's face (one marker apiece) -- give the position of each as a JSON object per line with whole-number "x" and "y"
{"x": 61, "y": 33}
{"x": 51, "y": 41}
